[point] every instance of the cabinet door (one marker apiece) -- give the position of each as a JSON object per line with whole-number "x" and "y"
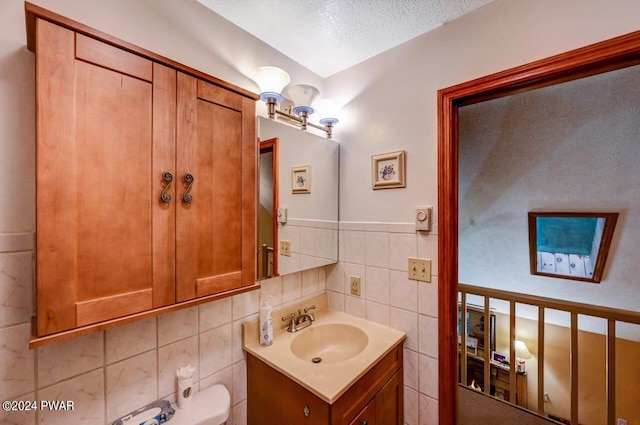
{"x": 99, "y": 111}
{"x": 274, "y": 399}
{"x": 216, "y": 155}
{"x": 389, "y": 401}
{"x": 367, "y": 416}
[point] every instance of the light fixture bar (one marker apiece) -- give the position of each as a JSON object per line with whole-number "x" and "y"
{"x": 300, "y": 121}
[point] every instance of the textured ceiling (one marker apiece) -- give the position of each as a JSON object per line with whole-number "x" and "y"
{"x": 328, "y": 36}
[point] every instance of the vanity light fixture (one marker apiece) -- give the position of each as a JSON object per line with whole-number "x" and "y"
{"x": 272, "y": 80}
{"x": 329, "y": 109}
{"x": 303, "y": 96}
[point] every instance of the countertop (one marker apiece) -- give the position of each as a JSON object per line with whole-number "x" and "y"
{"x": 330, "y": 380}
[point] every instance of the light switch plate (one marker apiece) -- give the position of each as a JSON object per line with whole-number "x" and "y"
{"x": 419, "y": 269}
{"x": 285, "y": 248}
{"x": 354, "y": 282}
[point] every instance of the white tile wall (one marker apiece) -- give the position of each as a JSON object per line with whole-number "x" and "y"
{"x": 108, "y": 374}
{"x": 377, "y": 253}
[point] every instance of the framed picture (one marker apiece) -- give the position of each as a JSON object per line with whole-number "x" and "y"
{"x": 388, "y": 170}
{"x": 301, "y": 179}
{"x": 570, "y": 245}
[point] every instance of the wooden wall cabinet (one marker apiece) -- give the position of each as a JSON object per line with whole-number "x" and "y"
{"x": 146, "y": 177}
{"x": 376, "y": 398}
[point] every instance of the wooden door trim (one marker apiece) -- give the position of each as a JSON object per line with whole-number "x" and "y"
{"x": 266, "y": 146}
{"x": 616, "y": 53}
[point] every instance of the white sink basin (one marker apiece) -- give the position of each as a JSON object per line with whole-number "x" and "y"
{"x": 330, "y": 343}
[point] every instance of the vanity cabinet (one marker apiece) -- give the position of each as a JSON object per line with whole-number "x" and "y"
{"x": 145, "y": 180}
{"x": 375, "y": 398}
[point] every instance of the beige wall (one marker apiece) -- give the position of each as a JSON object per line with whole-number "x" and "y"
{"x": 392, "y": 105}
{"x": 392, "y": 97}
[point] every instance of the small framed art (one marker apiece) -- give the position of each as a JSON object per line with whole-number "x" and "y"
{"x": 301, "y": 179}
{"x": 388, "y": 170}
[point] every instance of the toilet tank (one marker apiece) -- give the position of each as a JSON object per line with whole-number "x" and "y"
{"x": 210, "y": 406}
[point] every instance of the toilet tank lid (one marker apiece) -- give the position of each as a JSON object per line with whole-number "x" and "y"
{"x": 209, "y": 406}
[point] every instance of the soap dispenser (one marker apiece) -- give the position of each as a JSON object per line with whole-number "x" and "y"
{"x": 266, "y": 322}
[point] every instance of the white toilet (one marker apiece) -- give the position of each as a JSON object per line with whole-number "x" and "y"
{"x": 210, "y": 406}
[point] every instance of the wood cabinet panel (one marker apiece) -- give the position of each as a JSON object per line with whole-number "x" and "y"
{"x": 91, "y": 120}
{"x": 366, "y": 387}
{"x": 111, "y": 57}
{"x": 164, "y": 159}
{"x": 116, "y": 129}
{"x": 55, "y": 218}
{"x": 390, "y": 403}
{"x": 275, "y": 399}
{"x": 210, "y": 228}
{"x": 377, "y": 397}
{"x": 368, "y": 415}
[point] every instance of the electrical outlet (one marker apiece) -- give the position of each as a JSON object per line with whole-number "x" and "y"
{"x": 622, "y": 421}
{"x": 355, "y": 285}
{"x": 285, "y": 248}
{"x": 419, "y": 269}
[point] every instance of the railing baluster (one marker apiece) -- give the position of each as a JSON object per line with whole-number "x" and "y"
{"x": 512, "y": 352}
{"x": 463, "y": 341}
{"x": 611, "y": 372}
{"x": 487, "y": 347}
{"x": 573, "y": 377}
{"x": 541, "y": 360}
{"x": 612, "y": 316}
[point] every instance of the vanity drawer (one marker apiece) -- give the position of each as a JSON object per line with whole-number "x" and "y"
{"x": 275, "y": 399}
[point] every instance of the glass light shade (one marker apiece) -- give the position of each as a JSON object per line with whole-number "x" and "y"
{"x": 302, "y": 96}
{"x": 522, "y": 351}
{"x": 271, "y": 81}
{"x": 329, "y": 110}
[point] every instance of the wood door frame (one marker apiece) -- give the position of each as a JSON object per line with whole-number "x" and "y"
{"x": 272, "y": 145}
{"x": 616, "y": 53}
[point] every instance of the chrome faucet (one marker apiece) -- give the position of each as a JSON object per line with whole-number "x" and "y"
{"x": 299, "y": 321}
{"x": 306, "y": 316}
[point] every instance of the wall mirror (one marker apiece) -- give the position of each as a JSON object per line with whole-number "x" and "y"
{"x": 570, "y": 245}
{"x": 298, "y": 200}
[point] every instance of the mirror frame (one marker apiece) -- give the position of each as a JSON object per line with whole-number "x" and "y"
{"x": 609, "y": 55}
{"x": 605, "y": 237}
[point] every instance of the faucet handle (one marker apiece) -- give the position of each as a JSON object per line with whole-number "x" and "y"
{"x": 292, "y": 324}
{"x": 291, "y": 316}
{"x": 306, "y": 311}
